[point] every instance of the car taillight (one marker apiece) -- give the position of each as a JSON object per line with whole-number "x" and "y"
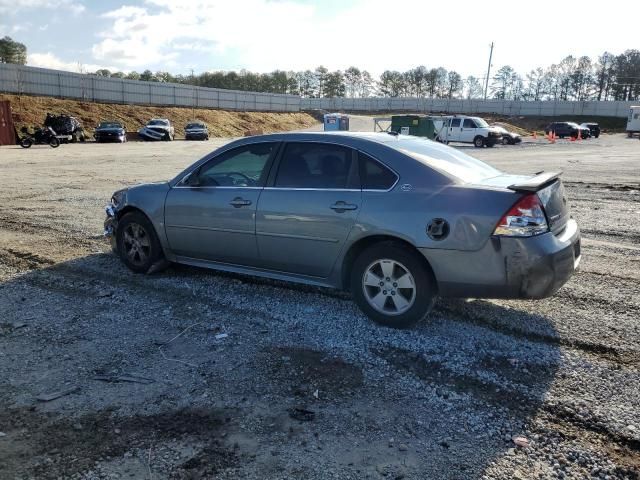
{"x": 525, "y": 219}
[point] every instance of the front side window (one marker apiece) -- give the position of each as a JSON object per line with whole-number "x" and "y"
{"x": 374, "y": 175}
{"x": 315, "y": 165}
{"x": 468, "y": 123}
{"x": 240, "y": 167}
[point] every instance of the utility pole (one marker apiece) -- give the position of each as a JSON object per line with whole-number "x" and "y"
{"x": 486, "y": 82}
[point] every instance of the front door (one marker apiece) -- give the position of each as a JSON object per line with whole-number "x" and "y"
{"x": 468, "y": 130}
{"x": 454, "y": 130}
{"x": 305, "y": 217}
{"x": 211, "y": 214}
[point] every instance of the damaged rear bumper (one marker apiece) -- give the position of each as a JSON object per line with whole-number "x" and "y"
{"x": 526, "y": 268}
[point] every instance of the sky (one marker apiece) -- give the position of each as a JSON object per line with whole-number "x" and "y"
{"x": 265, "y": 35}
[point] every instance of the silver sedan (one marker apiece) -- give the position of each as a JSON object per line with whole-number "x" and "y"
{"x": 397, "y": 220}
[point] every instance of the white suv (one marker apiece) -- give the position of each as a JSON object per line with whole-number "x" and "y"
{"x": 464, "y": 129}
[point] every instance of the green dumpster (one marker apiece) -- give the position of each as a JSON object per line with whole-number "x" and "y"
{"x": 417, "y": 125}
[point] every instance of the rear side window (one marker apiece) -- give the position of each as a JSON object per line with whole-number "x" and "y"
{"x": 315, "y": 165}
{"x": 455, "y": 122}
{"x": 374, "y": 175}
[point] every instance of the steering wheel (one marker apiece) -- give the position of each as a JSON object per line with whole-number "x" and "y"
{"x": 249, "y": 180}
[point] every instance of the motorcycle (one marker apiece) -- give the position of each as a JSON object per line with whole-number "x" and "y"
{"x": 41, "y": 136}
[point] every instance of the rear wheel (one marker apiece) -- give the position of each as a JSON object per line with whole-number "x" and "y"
{"x": 137, "y": 242}
{"x": 54, "y": 142}
{"x": 478, "y": 142}
{"x": 26, "y": 142}
{"x": 392, "y": 286}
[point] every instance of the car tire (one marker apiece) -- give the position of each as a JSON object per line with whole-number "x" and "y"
{"x": 478, "y": 142}
{"x": 506, "y": 141}
{"x": 396, "y": 307}
{"x": 596, "y": 135}
{"x": 26, "y": 142}
{"x": 54, "y": 142}
{"x": 137, "y": 243}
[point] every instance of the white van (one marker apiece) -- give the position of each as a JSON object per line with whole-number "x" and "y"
{"x": 463, "y": 129}
{"x": 633, "y": 122}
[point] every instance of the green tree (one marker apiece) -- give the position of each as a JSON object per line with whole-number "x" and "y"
{"x": 334, "y": 85}
{"x": 12, "y": 51}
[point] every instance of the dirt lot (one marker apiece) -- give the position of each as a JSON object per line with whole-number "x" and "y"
{"x": 302, "y": 385}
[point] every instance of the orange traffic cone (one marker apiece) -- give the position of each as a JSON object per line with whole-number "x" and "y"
{"x": 573, "y": 139}
{"x": 579, "y": 137}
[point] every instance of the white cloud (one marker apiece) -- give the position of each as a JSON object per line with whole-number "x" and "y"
{"x": 8, "y": 7}
{"x": 373, "y": 34}
{"x": 50, "y": 60}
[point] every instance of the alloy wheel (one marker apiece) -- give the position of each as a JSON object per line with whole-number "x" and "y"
{"x": 137, "y": 245}
{"x": 389, "y": 287}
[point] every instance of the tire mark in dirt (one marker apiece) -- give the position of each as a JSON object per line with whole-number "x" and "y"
{"x": 437, "y": 373}
{"x": 611, "y": 354}
{"x": 23, "y": 260}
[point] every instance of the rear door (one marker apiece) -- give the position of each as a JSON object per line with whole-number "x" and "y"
{"x": 211, "y": 214}
{"x": 306, "y": 213}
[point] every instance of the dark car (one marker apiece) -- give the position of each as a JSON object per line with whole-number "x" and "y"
{"x": 395, "y": 219}
{"x": 508, "y": 138}
{"x": 594, "y": 129}
{"x": 110, "y": 132}
{"x": 567, "y": 129}
{"x": 196, "y": 131}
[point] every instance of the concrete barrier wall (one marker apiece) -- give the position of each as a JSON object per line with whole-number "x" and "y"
{"x": 23, "y": 80}
{"x": 19, "y": 79}
{"x": 502, "y": 107}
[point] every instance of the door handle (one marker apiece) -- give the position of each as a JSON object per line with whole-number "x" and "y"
{"x": 342, "y": 206}
{"x": 239, "y": 202}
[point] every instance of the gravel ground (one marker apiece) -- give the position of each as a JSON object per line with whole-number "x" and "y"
{"x": 192, "y": 374}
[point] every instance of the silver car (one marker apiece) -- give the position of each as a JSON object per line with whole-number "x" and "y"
{"x": 397, "y": 220}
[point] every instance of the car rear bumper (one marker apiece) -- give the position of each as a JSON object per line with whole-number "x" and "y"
{"x": 509, "y": 267}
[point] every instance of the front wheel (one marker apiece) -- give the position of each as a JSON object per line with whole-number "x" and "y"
{"x": 26, "y": 142}
{"x": 54, "y": 142}
{"x": 478, "y": 142}
{"x": 137, "y": 242}
{"x": 392, "y": 286}
{"x": 505, "y": 141}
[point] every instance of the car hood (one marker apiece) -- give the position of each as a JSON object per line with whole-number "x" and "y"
{"x": 110, "y": 129}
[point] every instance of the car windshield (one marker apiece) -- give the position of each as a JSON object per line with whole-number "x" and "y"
{"x": 194, "y": 125}
{"x": 109, "y": 125}
{"x": 447, "y": 160}
{"x": 480, "y": 122}
{"x": 158, "y": 122}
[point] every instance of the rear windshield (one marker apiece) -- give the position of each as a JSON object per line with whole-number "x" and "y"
{"x": 445, "y": 159}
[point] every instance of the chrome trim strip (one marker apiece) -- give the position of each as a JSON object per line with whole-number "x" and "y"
{"x": 315, "y": 189}
{"x": 297, "y": 237}
{"x": 221, "y": 187}
{"x": 212, "y": 229}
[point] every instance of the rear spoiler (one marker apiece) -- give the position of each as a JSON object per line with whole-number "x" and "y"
{"x": 537, "y": 183}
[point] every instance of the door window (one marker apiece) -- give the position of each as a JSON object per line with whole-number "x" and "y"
{"x": 240, "y": 167}
{"x": 468, "y": 123}
{"x": 315, "y": 165}
{"x": 374, "y": 175}
{"x": 455, "y": 122}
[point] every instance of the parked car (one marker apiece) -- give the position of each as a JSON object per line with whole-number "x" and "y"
{"x": 196, "y": 131}
{"x": 467, "y": 130}
{"x": 67, "y": 128}
{"x": 157, "y": 129}
{"x": 109, "y": 131}
{"x": 567, "y": 129}
{"x": 508, "y": 138}
{"x": 594, "y": 129}
{"x": 395, "y": 219}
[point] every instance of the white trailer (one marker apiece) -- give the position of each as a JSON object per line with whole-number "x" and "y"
{"x": 633, "y": 122}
